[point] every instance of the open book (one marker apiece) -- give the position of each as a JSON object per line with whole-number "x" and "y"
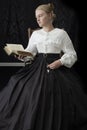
{"x": 16, "y": 49}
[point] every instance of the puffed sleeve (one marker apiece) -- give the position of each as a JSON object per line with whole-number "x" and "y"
{"x": 31, "y": 44}
{"x": 69, "y": 57}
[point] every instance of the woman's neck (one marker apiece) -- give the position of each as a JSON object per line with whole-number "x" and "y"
{"x": 48, "y": 28}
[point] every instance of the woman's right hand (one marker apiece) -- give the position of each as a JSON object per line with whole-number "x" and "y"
{"x": 19, "y": 57}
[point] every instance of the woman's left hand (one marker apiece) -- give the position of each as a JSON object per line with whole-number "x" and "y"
{"x": 54, "y": 65}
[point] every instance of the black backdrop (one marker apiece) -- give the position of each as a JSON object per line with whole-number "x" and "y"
{"x": 17, "y": 15}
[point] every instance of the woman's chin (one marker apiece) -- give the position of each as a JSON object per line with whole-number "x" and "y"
{"x": 40, "y": 25}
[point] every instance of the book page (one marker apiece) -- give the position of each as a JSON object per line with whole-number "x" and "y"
{"x": 13, "y": 48}
{"x": 7, "y": 50}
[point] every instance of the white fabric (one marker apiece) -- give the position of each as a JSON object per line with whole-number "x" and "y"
{"x": 54, "y": 41}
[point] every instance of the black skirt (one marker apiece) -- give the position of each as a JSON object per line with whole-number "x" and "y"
{"x": 38, "y": 98}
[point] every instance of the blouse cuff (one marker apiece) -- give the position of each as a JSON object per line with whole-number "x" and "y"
{"x": 68, "y": 62}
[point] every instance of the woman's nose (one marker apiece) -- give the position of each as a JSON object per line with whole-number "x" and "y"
{"x": 38, "y": 20}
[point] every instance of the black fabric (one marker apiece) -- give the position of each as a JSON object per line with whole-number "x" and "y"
{"x": 13, "y": 21}
{"x": 38, "y": 99}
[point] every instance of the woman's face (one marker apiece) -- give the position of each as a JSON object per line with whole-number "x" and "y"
{"x": 43, "y": 18}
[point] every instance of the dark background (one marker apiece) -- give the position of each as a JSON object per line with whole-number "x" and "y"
{"x": 16, "y": 16}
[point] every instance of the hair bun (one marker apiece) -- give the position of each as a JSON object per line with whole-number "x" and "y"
{"x": 51, "y": 5}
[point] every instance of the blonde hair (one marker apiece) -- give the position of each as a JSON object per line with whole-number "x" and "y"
{"x": 48, "y": 8}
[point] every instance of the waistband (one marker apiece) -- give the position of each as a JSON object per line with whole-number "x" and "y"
{"x": 49, "y": 55}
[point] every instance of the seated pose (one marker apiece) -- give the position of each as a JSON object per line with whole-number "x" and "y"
{"x": 46, "y": 94}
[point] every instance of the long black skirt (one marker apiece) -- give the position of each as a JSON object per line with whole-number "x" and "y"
{"x": 37, "y": 98}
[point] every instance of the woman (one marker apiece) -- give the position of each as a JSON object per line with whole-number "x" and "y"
{"x": 46, "y": 94}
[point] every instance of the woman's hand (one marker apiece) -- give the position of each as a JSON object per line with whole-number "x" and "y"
{"x": 54, "y": 65}
{"x": 19, "y": 57}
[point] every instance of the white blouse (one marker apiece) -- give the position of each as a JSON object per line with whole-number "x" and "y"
{"x": 54, "y": 41}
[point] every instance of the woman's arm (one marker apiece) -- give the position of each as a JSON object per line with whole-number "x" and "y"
{"x": 31, "y": 44}
{"x": 69, "y": 57}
